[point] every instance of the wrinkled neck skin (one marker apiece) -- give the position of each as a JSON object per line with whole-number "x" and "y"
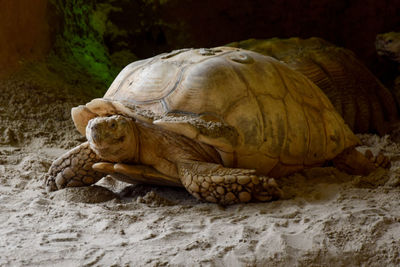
{"x": 163, "y": 149}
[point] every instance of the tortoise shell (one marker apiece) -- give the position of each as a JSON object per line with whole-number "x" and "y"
{"x": 283, "y": 121}
{"x": 364, "y": 103}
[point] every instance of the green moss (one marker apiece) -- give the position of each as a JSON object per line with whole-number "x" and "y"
{"x": 99, "y": 17}
{"x": 87, "y": 23}
{"x": 81, "y": 41}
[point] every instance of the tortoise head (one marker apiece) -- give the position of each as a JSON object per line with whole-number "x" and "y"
{"x": 388, "y": 44}
{"x": 113, "y": 138}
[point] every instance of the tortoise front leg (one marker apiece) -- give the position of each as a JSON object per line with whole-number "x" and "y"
{"x": 73, "y": 169}
{"x": 215, "y": 183}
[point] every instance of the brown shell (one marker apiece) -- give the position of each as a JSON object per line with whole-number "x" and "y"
{"x": 284, "y": 121}
{"x": 364, "y": 103}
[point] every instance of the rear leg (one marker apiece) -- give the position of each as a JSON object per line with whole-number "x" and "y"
{"x": 354, "y": 162}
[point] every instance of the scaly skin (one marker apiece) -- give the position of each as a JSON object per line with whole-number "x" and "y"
{"x": 73, "y": 169}
{"x": 215, "y": 183}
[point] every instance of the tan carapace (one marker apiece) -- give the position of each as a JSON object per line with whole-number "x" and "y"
{"x": 360, "y": 98}
{"x": 222, "y": 122}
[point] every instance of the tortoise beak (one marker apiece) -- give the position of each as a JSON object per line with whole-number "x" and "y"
{"x": 95, "y": 138}
{"x": 96, "y": 132}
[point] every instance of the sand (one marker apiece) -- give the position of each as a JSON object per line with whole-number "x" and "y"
{"x": 327, "y": 218}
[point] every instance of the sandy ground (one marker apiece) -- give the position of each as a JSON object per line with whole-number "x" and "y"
{"x": 327, "y": 218}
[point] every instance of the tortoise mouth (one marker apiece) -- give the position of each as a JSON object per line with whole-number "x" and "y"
{"x": 388, "y": 54}
{"x": 105, "y": 139}
{"x": 383, "y": 50}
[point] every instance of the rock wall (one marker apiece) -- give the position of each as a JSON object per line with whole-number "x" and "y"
{"x": 25, "y": 33}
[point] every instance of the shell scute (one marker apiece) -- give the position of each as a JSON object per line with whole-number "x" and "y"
{"x": 210, "y": 86}
{"x": 297, "y": 135}
{"x": 275, "y": 126}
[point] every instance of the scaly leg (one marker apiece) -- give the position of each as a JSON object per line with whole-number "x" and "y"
{"x": 73, "y": 169}
{"x": 355, "y": 163}
{"x": 215, "y": 183}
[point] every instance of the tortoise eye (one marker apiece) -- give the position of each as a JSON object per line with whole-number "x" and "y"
{"x": 113, "y": 125}
{"x": 389, "y": 41}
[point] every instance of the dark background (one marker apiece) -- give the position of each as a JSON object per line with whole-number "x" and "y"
{"x": 102, "y": 36}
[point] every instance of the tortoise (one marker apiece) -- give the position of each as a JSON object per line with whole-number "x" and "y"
{"x": 222, "y": 122}
{"x": 388, "y": 45}
{"x": 363, "y": 101}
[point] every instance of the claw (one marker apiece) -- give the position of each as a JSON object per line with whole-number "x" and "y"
{"x": 379, "y": 159}
{"x": 50, "y": 183}
{"x": 368, "y": 154}
{"x": 382, "y": 161}
{"x": 274, "y": 189}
